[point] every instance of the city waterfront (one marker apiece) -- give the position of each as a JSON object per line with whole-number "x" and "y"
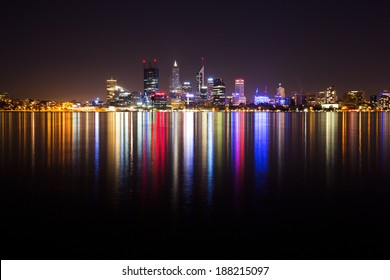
{"x": 263, "y": 185}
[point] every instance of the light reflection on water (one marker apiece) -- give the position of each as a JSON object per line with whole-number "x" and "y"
{"x": 191, "y": 168}
{"x": 180, "y": 148}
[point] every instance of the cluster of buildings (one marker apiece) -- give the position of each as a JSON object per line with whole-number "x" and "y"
{"x": 204, "y": 94}
{"x": 211, "y": 94}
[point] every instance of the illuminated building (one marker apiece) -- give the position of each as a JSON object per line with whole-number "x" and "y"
{"x": 175, "y": 89}
{"x": 151, "y": 77}
{"x": 159, "y": 99}
{"x": 219, "y": 92}
{"x": 186, "y": 89}
{"x": 280, "y": 97}
{"x": 122, "y": 97}
{"x": 353, "y": 99}
{"x": 311, "y": 99}
{"x": 384, "y": 100}
{"x": 136, "y": 98}
{"x": 239, "y": 96}
{"x": 3, "y": 95}
{"x": 261, "y": 98}
{"x": 321, "y": 97}
{"x": 111, "y": 88}
{"x": 280, "y": 91}
{"x": 299, "y": 98}
{"x": 204, "y": 93}
{"x": 374, "y": 100}
{"x": 330, "y": 95}
{"x": 187, "y": 94}
{"x": 210, "y": 85}
{"x": 199, "y": 81}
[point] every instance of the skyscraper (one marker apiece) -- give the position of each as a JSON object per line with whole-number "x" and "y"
{"x": 330, "y": 95}
{"x": 219, "y": 91}
{"x": 384, "y": 100}
{"x": 199, "y": 81}
{"x": 151, "y": 77}
{"x": 210, "y": 85}
{"x": 280, "y": 92}
{"x": 111, "y": 88}
{"x": 175, "y": 90}
{"x": 239, "y": 92}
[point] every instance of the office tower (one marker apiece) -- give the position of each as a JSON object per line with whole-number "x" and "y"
{"x": 111, "y": 88}
{"x": 384, "y": 100}
{"x": 151, "y": 77}
{"x": 219, "y": 92}
{"x": 210, "y": 85}
{"x": 199, "y": 81}
{"x": 186, "y": 88}
{"x": 330, "y": 95}
{"x": 280, "y": 92}
{"x": 175, "y": 90}
{"x": 204, "y": 93}
{"x": 239, "y": 92}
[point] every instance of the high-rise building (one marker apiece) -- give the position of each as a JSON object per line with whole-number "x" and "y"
{"x": 186, "y": 88}
{"x": 239, "y": 96}
{"x": 330, "y": 95}
{"x": 175, "y": 88}
{"x": 199, "y": 81}
{"x": 219, "y": 92}
{"x": 151, "y": 77}
{"x": 210, "y": 85}
{"x": 111, "y": 88}
{"x": 280, "y": 91}
{"x": 384, "y": 100}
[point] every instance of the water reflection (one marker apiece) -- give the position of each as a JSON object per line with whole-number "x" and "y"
{"x": 178, "y": 160}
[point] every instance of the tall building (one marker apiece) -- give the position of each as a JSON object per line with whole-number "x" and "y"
{"x": 187, "y": 94}
{"x": 111, "y": 88}
{"x": 219, "y": 92}
{"x": 280, "y": 92}
{"x": 210, "y": 85}
{"x": 151, "y": 77}
{"x": 175, "y": 88}
{"x": 330, "y": 95}
{"x": 186, "y": 88}
{"x": 199, "y": 81}
{"x": 384, "y": 100}
{"x": 239, "y": 92}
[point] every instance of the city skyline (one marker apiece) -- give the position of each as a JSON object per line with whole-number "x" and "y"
{"x": 67, "y": 51}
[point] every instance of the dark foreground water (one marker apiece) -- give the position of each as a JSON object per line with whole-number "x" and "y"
{"x": 195, "y": 185}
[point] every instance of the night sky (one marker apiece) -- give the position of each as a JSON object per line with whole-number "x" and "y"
{"x": 67, "y": 50}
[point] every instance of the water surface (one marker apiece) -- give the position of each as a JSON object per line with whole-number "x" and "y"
{"x": 195, "y": 185}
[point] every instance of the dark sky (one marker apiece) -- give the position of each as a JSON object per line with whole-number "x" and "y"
{"x": 66, "y": 50}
